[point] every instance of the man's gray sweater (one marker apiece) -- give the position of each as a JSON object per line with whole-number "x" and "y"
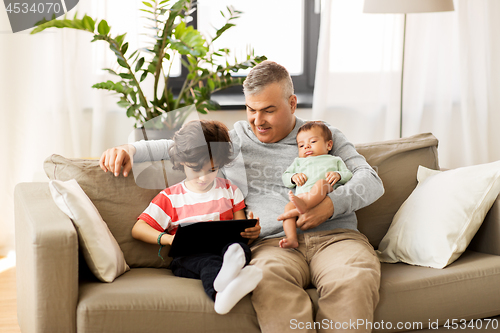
{"x": 257, "y": 171}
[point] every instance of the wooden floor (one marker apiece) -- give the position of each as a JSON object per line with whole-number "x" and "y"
{"x": 8, "y": 310}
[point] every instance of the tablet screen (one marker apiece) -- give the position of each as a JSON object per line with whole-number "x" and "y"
{"x": 208, "y": 237}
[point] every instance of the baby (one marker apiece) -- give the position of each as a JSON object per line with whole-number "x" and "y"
{"x": 315, "y": 173}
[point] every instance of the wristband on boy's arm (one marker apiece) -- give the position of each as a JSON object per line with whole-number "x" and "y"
{"x": 159, "y": 243}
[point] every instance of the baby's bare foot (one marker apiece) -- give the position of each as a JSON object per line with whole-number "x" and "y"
{"x": 287, "y": 243}
{"x": 298, "y": 202}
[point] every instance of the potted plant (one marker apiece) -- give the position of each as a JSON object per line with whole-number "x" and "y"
{"x": 172, "y": 36}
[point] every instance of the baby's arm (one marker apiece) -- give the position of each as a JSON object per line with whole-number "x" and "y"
{"x": 289, "y": 173}
{"x": 344, "y": 172}
{"x": 146, "y": 233}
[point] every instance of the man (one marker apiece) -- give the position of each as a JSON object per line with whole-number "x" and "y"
{"x": 332, "y": 255}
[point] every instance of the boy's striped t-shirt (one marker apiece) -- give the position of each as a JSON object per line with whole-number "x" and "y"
{"x": 177, "y": 204}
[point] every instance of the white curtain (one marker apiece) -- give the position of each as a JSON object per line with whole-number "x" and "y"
{"x": 48, "y": 105}
{"x": 451, "y": 76}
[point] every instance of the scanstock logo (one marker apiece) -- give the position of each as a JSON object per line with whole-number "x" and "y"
{"x": 26, "y": 14}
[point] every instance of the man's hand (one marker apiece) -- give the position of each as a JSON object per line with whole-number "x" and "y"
{"x": 299, "y": 179}
{"x": 312, "y": 217}
{"x": 332, "y": 177}
{"x": 115, "y": 158}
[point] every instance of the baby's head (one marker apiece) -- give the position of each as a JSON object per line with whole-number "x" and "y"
{"x": 201, "y": 147}
{"x": 314, "y": 138}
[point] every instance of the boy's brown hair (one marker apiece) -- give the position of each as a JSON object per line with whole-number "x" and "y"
{"x": 200, "y": 141}
{"x": 327, "y": 134}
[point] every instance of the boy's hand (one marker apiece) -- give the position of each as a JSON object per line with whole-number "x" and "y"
{"x": 299, "y": 179}
{"x": 332, "y": 177}
{"x": 253, "y": 232}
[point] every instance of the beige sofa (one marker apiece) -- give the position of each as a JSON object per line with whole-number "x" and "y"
{"x": 57, "y": 292}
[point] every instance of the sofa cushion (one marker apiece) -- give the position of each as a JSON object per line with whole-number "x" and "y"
{"x": 436, "y": 223}
{"x": 100, "y": 249}
{"x": 119, "y": 201}
{"x": 159, "y": 301}
{"x": 396, "y": 162}
{"x": 422, "y": 294}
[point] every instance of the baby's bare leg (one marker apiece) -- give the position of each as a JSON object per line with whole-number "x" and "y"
{"x": 290, "y": 228}
{"x": 311, "y": 199}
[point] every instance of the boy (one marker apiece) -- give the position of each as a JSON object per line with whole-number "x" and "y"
{"x": 200, "y": 149}
{"x": 314, "y": 172}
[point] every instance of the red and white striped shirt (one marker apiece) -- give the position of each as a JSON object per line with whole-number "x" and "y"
{"x": 177, "y": 204}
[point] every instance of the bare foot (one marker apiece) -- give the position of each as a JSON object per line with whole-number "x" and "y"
{"x": 298, "y": 202}
{"x": 289, "y": 243}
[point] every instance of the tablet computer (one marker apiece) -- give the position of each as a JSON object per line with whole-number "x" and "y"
{"x": 208, "y": 237}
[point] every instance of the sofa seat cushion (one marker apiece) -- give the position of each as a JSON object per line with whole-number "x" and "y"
{"x": 468, "y": 288}
{"x": 154, "y": 300}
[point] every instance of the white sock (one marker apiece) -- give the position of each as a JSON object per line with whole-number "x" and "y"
{"x": 244, "y": 283}
{"x": 234, "y": 260}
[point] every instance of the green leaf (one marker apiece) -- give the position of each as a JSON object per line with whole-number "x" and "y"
{"x": 88, "y": 23}
{"x": 127, "y": 76}
{"x": 119, "y": 39}
{"x": 78, "y": 24}
{"x": 222, "y": 30}
{"x": 144, "y": 75}
{"x": 124, "y": 48}
{"x": 139, "y": 64}
{"x": 188, "y": 41}
{"x": 109, "y": 70}
{"x": 118, "y": 87}
{"x": 122, "y": 63}
{"x": 123, "y": 103}
{"x": 210, "y": 84}
{"x": 98, "y": 37}
{"x": 147, "y": 4}
{"x": 133, "y": 96}
{"x": 103, "y": 28}
{"x": 151, "y": 68}
{"x": 133, "y": 54}
{"x": 130, "y": 111}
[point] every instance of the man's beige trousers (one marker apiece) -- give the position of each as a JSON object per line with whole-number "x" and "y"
{"x": 340, "y": 263}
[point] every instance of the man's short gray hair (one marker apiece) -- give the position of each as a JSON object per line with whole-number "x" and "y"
{"x": 265, "y": 73}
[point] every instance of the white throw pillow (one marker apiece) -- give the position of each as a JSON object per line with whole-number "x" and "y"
{"x": 100, "y": 249}
{"x": 434, "y": 226}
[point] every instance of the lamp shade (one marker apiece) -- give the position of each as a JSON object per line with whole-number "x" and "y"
{"x": 407, "y": 6}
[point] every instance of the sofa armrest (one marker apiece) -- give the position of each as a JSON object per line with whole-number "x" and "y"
{"x": 487, "y": 239}
{"x": 47, "y": 262}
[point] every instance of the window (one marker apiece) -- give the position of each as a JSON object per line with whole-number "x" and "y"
{"x": 285, "y": 31}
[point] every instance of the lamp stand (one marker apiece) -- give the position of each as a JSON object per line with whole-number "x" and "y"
{"x": 402, "y": 75}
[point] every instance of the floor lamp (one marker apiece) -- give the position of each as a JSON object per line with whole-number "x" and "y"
{"x": 406, "y": 7}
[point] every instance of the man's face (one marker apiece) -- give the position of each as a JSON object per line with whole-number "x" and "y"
{"x": 270, "y": 114}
